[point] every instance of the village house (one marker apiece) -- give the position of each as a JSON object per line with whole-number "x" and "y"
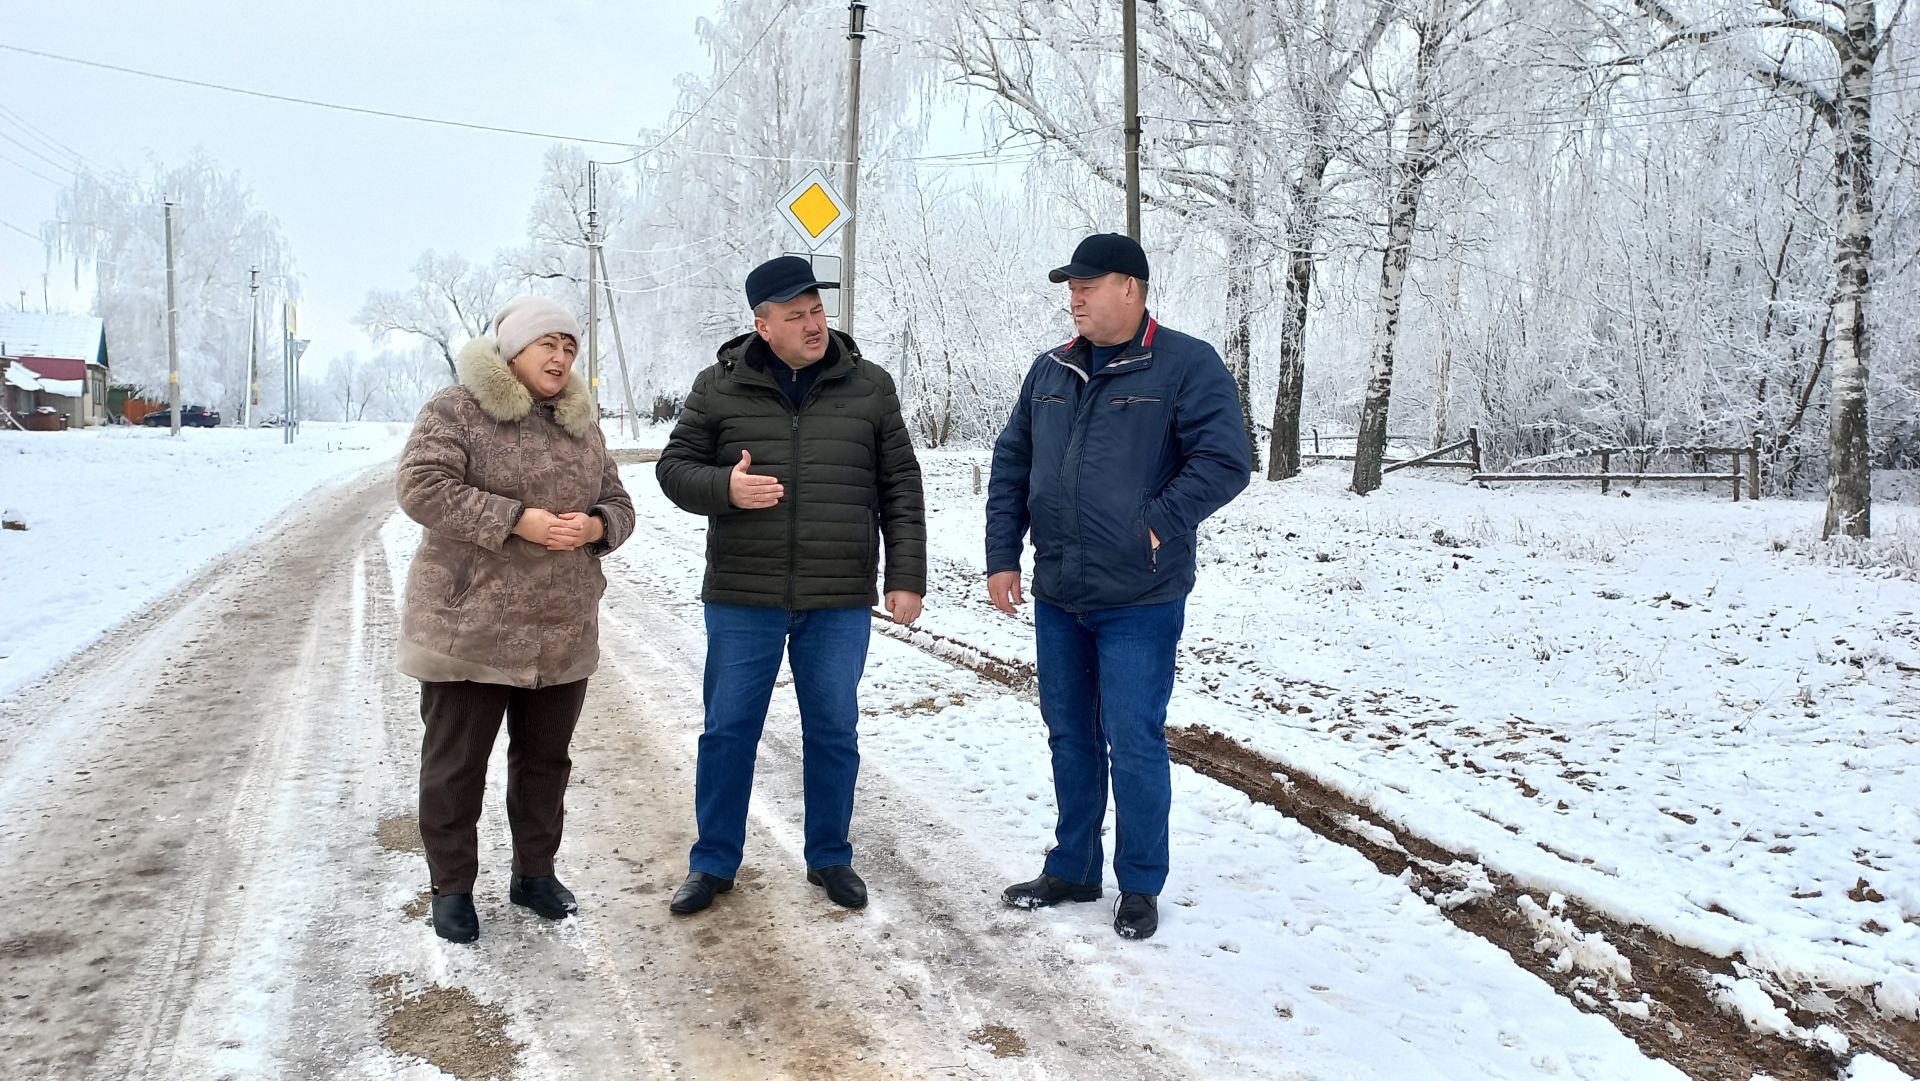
{"x": 57, "y": 363}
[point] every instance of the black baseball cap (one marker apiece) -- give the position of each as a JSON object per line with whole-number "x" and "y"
{"x": 1104, "y": 253}
{"x": 781, "y": 280}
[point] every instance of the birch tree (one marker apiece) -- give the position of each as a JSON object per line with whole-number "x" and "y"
{"x": 1320, "y": 57}
{"x": 1417, "y": 161}
{"x": 1783, "y": 44}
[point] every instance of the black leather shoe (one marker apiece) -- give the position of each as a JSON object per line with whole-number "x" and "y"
{"x": 454, "y": 918}
{"x": 1047, "y": 890}
{"x": 697, "y": 892}
{"x": 843, "y": 887}
{"x": 544, "y": 894}
{"x": 1137, "y": 915}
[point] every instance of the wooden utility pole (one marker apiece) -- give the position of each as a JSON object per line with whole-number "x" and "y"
{"x": 253, "y": 349}
{"x": 173, "y": 333}
{"x": 593, "y": 287}
{"x": 850, "y": 178}
{"x": 286, "y": 371}
{"x": 619, "y": 346}
{"x": 1131, "y": 46}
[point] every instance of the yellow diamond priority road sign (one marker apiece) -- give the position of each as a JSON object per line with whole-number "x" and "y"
{"x": 814, "y": 210}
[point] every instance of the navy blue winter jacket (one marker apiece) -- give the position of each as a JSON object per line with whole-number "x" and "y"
{"x": 1088, "y": 465}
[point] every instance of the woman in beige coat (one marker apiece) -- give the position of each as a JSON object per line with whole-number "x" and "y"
{"x": 511, "y": 477}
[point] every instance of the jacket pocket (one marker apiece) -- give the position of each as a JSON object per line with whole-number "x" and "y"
{"x": 1146, "y": 538}
{"x": 1049, "y": 399}
{"x": 1124, "y": 400}
{"x": 462, "y": 584}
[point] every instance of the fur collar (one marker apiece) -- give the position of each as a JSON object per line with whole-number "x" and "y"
{"x": 484, "y": 372}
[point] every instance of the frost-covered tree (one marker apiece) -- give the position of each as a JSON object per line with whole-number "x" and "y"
{"x": 451, "y": 299}
{"x": 114, "y": 224}
{"x": 1822, "y": 54}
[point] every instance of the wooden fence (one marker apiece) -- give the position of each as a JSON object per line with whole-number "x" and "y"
{"x": 1432, "y": 459}
{"x": 1743, "y": 466}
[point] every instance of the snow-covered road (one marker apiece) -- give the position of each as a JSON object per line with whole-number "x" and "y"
{"x": 208, "y": 868}
{"x": 204, "y": 874}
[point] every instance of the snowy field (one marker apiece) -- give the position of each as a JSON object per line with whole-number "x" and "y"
{"x": 1674, "y": 709}
{"x": 117, "y": 517}
{"x": 1658, "y": 704}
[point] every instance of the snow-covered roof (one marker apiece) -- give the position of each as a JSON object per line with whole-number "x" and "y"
{"x": 64, "y": 388}
{"x": 60, "y": 337}
{"x": 20, "y": 376}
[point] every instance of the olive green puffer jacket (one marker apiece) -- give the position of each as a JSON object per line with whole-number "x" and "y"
{"x": 844, "y": 459}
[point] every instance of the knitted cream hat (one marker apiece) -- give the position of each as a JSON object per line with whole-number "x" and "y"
{"x": 526, "y": 319}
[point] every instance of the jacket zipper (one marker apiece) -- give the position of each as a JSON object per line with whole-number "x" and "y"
{"x": 793, "y": 520}
{"x": 793, "y": 497}
{"x": 793, "y": 494}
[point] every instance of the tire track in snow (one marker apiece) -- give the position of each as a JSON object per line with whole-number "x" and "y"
{"x": 157, "y": 765}
{"x": 1675, "y": 988}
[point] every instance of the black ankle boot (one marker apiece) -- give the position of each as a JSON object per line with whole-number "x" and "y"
{"x": 544, "y": 894}
{"x": 1137, "y": 915}
{"x": 843, "y": 887}
{"x": 697, "y": 892}
{"x": 454, "y": 918}
{"x": 1048, "y": 890}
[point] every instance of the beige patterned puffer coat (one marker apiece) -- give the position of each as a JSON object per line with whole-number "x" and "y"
{"x": 483, "y": 604}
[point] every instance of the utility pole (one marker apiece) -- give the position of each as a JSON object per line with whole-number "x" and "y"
{"x": 1130, "y": 44}
{"x": 286, "y": 372}
{"x": 295, "y": 348}
{"x": 619, "y": 347}
{"x": 593, "y": 286}
{"x": 850, "y": 182}
{"x": 253, "y": 349}
{"x": 173, "y": 333}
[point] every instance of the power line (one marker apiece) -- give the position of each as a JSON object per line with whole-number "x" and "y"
{"x": 498, "y": 129}
{"x": 663, "y": 287}
{"x": 29, "y": 170}
{"x": 715, "y": 92}
{"x": 22, "y": 232}
{"x": 293, "y": 100}
{"x": 655, "y": 276}
{"x": 1772, "y": 104}
{"x": 22, "y": 122}
{"x": 68, "y": 169}
{"x": 676, "y": 247}
{"x": 1757, "y": 101}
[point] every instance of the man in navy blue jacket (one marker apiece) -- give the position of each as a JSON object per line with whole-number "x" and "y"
{"x": 1121, "y": 443}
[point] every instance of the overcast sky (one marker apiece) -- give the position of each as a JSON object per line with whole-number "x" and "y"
{"x": 359, "y": 197}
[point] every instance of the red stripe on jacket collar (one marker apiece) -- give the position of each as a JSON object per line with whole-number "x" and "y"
{"x": 1146, "y": 339}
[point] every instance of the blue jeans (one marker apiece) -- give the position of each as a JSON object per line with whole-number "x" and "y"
{"x": 827, "y": 650}
{"x": 1105, "y": 678}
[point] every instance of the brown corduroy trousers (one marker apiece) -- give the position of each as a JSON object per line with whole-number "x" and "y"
{"x": 462, "y": 720}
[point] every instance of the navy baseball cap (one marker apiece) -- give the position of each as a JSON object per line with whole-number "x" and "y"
{"x": 781, "y": 280}
{"x": 1104, "y": 253}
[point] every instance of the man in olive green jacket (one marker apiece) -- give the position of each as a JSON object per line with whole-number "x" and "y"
{"x": 793, "y": 446}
